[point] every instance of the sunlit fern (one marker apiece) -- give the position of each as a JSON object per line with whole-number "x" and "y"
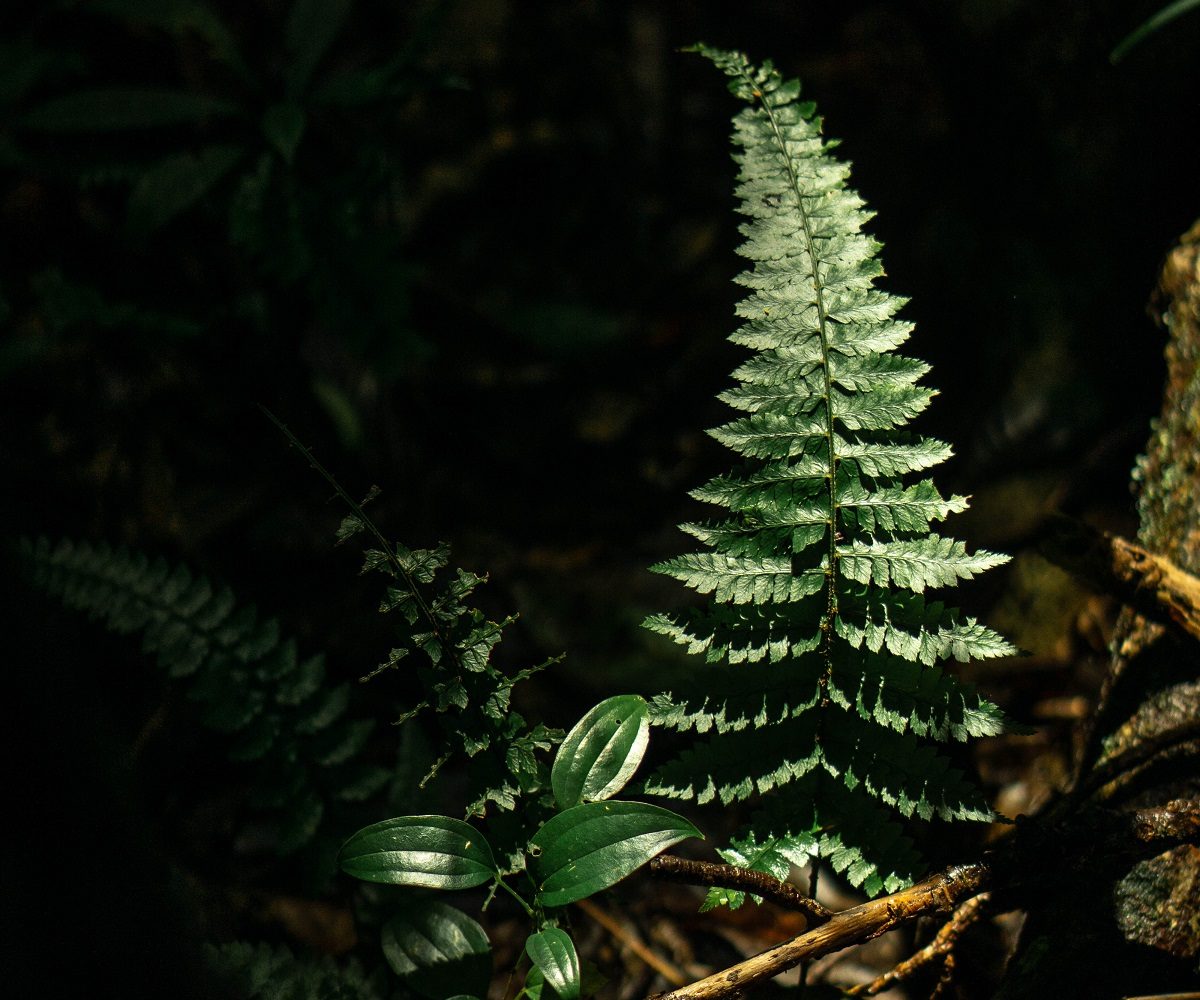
{"x": 830, "y": 698}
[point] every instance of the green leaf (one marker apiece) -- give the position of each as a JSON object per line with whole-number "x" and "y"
{"x": 438, "y": 951}
{"x": 1159, "y": 19}
{"x": 311, "y": 27}
{"x": 436, "y": 852}
{"x": 592, "y": 846}
{"x": 283, "y": 125}
{"x": 601, "y": 751}
{"x": 178, "y": 18}
{"x": 174, "y": 184}
{"x": 553, "y": 953}
{"x": 114, "y": 109}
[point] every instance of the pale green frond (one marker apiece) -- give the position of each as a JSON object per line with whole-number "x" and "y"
{"x": 906, "y": 625}
{"x": 735, "y": 765}
{"x": 742, "y": 580}
{"x": 897, "y": 769}
{"x": 740, "y": 634}
{"x": 821, "y": 564}
{"x": 907, "y": 697}
{"x": 915, "y": 563}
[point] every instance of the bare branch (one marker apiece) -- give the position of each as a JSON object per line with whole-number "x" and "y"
{"x": 941, "y": 892}
{"x": 742, "y": 879}
{"x": 634, "y": 943}
{"x": 939, "y": 949}
{"x": 1035, "y": 852}
{"x": 1150, "y": 583}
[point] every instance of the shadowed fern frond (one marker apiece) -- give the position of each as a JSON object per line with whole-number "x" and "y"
{"x": 818, "y": 571}
{"x": 246, "y": 678}
{"x": 266, "y": 972}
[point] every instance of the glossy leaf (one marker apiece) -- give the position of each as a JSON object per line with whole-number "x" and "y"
{"x": 593, "y": 846}
{"x": 438, "y": 951}
{"x": 602, "y": 751}
{"x": 436, "y": 852}
{"x": 553, "y": 952}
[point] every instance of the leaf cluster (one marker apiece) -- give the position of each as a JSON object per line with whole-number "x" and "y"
{"x": 449, "y": 645}
{"x": 819, "y": 569}
{"x": 591, "y": 842}
{"x": 269, "y": 137}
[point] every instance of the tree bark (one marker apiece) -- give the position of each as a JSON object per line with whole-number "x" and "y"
{"x": 1135, "y": 927}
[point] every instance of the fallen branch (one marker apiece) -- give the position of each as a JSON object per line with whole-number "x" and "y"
{"x": 939, "y": 949}
{"x": 1149, "y": 583}
{"x": 1024, "y": 862}
{"x": 939, "y": 893}
{"x": 634, "y": 943}
{"x": 742, "y": 879}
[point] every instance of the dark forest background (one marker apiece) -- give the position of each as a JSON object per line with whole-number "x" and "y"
{"x": 479, "y": 253}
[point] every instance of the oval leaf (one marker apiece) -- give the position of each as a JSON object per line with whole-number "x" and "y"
{"x": 432, "y": 851}
{"x": 553, "y": 952}
{"x": 439, "y": 951}
{"x": 595, "y": 845}
{"x": 602, "y": 751}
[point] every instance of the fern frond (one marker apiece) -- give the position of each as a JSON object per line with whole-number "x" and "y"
{"x": 735, "y": 765}
{"x": 818, "y": 572}
{"x": 907, "y": 626}
{"x": 914, "y": 563}
{"x": 743, "y": 580}
{"x": 246, "y": 680}
{"x": 265, "y": 972}
{"x": 907, "y": 697}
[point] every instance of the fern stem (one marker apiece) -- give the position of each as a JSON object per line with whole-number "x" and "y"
{"x": 822, "y": 330}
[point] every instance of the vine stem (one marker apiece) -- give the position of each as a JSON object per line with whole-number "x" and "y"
{"x": 500, "y": 883}
{"x": 743, "y": 880}
{"x": 356, "y": 508}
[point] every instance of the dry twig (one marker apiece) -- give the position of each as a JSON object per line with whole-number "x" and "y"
{"x": 1023, "y": 863}
{"x": 1148, "y": 582}
{"x": 744, "y": 880}
{"x": 634, "y": 943}
{"x": 939, "y": 949}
